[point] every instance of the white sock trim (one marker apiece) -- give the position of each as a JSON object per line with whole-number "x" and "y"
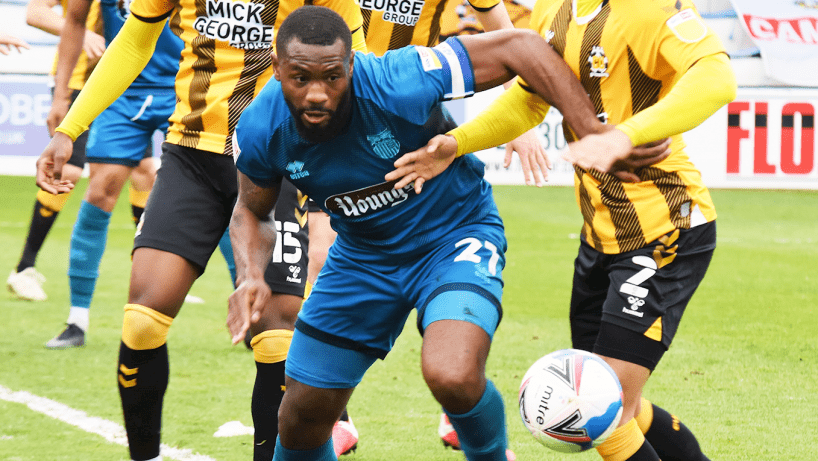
{"x": 79, "y": 317}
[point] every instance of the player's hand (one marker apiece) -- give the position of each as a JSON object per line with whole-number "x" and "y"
{"x": 59, "y": 107}
{"x": 8, "y": 41}
{"x": 641, "y": 156}
{"x": 425, "y": 163}
{"x": 51, "y": 162}
{"x": 645, "y": 154}
{"x": 245, "y": 307}
{"x": 533, "y": 158}
{"x": 612, "y": 152}
{"x": 93, "y": 45}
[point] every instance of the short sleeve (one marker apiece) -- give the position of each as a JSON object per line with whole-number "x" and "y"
{"x": 685, "y": 38}
{"x": 152, "y": 10}
{"x": 411, "y": 81}
{"x": 250, "y": 147}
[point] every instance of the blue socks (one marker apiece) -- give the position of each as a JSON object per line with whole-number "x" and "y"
{"x": 227, "y": 252}
{"x": 482, "y": 430}
{"x": 88, "y": 241}
{"x": 322, "y": 453}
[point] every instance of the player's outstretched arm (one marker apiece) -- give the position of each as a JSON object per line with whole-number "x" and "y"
{"x": 126, "y": 57}
{"x": 700, "y": 92}
{"x": 613, "y": 152}
{"x": 253, "y": 234}
{"x": 498, "y": 56}
{"x": 510, "y": 115}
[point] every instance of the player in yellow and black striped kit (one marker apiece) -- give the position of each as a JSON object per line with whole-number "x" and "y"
{"x": 224, "y": 64}
{"x": 654, "y": 69}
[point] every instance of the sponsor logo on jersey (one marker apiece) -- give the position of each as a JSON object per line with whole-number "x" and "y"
{"x": 237, "y": 23}
{"x": 404, "y": 12}
{"x": 369, "y": 200}
{"x": 384, "y": 144}
{"x": 598, "y": 62}
{"x": 297, "y": 170}
{"x": 687, "y": 26}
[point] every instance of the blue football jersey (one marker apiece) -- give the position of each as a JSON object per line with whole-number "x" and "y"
{"x": 396, "y": 108}
{"x": 164, "y": 64}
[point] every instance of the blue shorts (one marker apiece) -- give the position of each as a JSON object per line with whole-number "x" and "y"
{"x": 122, "y": 133}
{"x": 361, "y": 301}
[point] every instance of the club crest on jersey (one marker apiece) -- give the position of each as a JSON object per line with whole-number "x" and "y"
{"x": 598, "y": 62}
{"x": 238, "y": 23}
{"x": 384, "y": 144}
{"x": 297, "y": 170}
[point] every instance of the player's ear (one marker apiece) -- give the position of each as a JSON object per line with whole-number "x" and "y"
{"x": 276, "y": 73}
{"x": 351, "y": 61}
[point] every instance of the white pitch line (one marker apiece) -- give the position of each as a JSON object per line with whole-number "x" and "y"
{"x": 108, "y": 430}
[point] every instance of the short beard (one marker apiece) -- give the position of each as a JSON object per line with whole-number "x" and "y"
{"x": 337, "y": 121}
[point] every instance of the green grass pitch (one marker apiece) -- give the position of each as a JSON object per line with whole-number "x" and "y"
{"x": 741, "y": 372}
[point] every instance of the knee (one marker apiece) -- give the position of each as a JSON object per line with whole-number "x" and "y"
{"x": 144, "y": 328}
{"x": 458, "y": 388}
{"x": 279, "y": 314}
{"x": 104, "y": 187}
{"x": 103, "y": 198}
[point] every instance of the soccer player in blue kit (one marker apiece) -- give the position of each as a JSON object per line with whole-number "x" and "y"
{"x": 333, "y": 122}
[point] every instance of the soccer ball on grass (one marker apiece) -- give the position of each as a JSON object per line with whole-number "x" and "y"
{"x": 570, "y": 400}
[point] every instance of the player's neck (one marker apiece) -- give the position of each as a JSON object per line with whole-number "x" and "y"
{"x": 586, "y": 10}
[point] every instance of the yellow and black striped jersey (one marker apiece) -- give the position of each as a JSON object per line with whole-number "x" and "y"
{"x": 226, "y": 60}
{"x": 389, "y": 25}
{"x": 628, "y": 54}
{"x": 84, "y": 66}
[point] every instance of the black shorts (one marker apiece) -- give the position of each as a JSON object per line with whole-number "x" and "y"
{"x": 190, "y": 205}
{"x": 78, "y": 153}
{"x": 628, "y": 306}
{"x": 287, "y": 271}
